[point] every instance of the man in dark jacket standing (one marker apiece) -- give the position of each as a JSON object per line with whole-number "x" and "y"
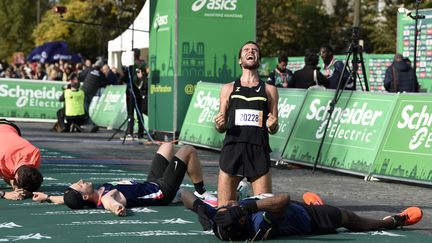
{"x": 309, "y": 75}
{"x": 400, "y": 76}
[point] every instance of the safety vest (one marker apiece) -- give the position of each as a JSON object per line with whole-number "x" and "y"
{"x": 74, "y": 102}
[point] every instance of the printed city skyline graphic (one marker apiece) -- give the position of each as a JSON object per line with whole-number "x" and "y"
{"x": 193, "y": 66}
{"x": 335, "y": 162}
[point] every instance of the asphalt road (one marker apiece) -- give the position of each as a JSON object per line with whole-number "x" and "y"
{"x": 375, "y": 199}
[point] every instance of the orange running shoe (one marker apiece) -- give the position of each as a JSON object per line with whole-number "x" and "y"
{"x": 409, "y": 216}
{"x": 311, "y": 198}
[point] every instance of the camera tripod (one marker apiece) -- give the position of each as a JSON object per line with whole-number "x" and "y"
{"x": 354, "y": 53}
{"x": 134, "y": 104}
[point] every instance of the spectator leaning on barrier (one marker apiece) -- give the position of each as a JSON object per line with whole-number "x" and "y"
{"x": 400, "y": 76}
{"x": 19, "y": 162}
{"x": 280, "y": 76}
{"x": 305, "y": 77}
{"x": 111, "y": 78}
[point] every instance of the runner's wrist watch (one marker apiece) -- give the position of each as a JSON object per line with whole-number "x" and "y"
{"x": 2, "y": 194}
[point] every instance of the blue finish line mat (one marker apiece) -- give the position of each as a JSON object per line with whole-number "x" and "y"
{"x": 43, "y": 222}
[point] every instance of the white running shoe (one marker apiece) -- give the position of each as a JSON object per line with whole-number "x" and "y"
{"x": 243, "y": 190}
{"x": 207, "y": 198}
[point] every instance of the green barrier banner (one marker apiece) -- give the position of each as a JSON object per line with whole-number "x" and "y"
{"x": 109, "y": 110}
{"x": 289, "y": 106}
{"x": 405, "y": 152}
{"x": 198, "y": 126}
{"x": 354, "y": 133}
{"x": 31, "y": 99}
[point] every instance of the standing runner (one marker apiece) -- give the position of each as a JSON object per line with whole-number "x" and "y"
{"x": 248, "y": 113}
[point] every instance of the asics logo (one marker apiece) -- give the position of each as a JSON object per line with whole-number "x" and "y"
{"x": 214, "y": 5}
{"x": 198, "y": 5}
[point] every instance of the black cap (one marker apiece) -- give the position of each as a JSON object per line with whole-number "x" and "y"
{"x": 73, "y": 199}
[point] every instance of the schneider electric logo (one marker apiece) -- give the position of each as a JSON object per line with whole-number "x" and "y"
{"x": 208, "y": 106}
{"x": 358, "y": 114}
{"x": 160, "y": 20}
{"x": 214, "y": 5}
{"x": 42, "y": 98}
{"x": 420, "y": 122}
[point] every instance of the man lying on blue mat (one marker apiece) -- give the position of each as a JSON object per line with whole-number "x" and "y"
{"x": 259, "y": 219}
{"x": 164, "y": 179}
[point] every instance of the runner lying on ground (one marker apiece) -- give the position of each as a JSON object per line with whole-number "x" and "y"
{"x": 255, "y": 220}
{"x": 19, "y": 162}
{"x": 162, "y": 184}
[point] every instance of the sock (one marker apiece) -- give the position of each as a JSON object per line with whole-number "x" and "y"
{"x": 199, "y": 187}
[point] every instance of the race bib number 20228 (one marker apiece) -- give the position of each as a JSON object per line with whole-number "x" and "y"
{"x": 247, "y": 117}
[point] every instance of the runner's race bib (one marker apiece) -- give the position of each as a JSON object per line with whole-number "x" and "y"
{"x": 247, "y": 117}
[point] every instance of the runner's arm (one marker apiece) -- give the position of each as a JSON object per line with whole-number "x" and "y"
{"x": 275, "y": 204}
{"x": 42, "y": 197}
{"x": 272, "y": 119}
{"x": 110, "y": 202}
{"x": 220, "y": 118}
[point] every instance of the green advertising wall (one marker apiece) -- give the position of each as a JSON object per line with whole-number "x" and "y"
{"x": 30, "y": 99}
{"x": 193, "y": 41}
{"x": 405, "y": 44}
{"x": 406, "y": 152}
{"x": 354, "y": 134}
{"x": 376, "y": 66}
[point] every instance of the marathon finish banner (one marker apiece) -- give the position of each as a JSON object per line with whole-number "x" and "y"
{"x": 354, "y": 134}
{"x": 30, "y": 99}
{"x": 198, "y": 126}
{"x": 405, "y": 152}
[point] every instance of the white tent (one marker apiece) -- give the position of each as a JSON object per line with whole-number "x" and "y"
{"x": 124, "y": 42}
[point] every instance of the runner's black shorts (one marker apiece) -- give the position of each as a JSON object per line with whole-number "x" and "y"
{"x": 244, "y": 160}
{"x": 168, "y": 175}
{"x": 325, "y": 219}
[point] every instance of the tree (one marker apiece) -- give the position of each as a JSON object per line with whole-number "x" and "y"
{"x": 290, "y": 26}
{"x": 380, "y": 28}
{"x": 88, "y": 39}
{"x": 18, "y": 18}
